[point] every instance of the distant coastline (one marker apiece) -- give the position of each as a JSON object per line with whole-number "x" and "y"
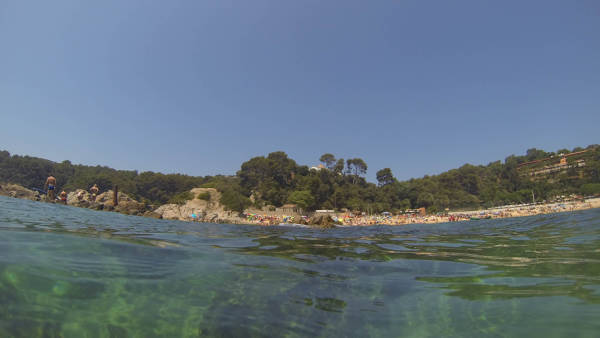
{"x": 349, "y": 219}
{"x": 207, "y": 211}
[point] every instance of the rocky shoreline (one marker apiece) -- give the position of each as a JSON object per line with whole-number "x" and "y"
{"x": 83, "y": 199}
{"x": 208, "y": 209}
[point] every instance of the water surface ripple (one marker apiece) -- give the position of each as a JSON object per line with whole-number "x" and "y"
{"x": 71, "y": 272}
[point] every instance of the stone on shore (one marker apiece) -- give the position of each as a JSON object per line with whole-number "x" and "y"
{"x": 152, "y": 214}
{"x": 323, "y": 221}
{"x": 104, "y": 201}
{"x": 17, "y": 191}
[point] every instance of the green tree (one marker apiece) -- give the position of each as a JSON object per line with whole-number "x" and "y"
{"x": 536, "y": 154}
{"x": 404, "y": 204}
{"x": 234, "y": 200}
{"x": 425, "y": 199}
{"x": 181, "y": 198}
{"x": 303, "y": 198}
{"x": 253, "y": 172}
{"x": 328, "y": 160}
{"x": 356, "y": 167}
{"x": 338, "y": 168}
{"x": 385, "y": 177}
{"x": 590, "y": 189}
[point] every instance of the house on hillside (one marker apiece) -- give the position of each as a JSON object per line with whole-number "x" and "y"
{"x": 543, "y": 167}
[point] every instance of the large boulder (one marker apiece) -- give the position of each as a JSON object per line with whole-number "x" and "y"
{"x": 105, "y": 201}
{"x": 323, "y": 221}
{"x": 79, "y": 198}
{"x": 17, "y": 191}
{"x": 169, "y": 211}
{"x": 152, "y": 214}
{"x": 125, "y": 204}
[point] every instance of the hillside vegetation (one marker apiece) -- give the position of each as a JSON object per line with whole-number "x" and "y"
{"x": 276, "y": 179}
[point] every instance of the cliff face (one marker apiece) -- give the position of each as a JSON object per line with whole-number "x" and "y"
{"x": 209, "y": 210}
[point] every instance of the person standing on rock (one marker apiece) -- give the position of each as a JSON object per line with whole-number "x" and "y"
{"x": 94, "y": 191}
{"x": 51, "y": 184}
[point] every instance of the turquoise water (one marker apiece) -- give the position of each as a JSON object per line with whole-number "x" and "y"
{"x": 71, "y": 272}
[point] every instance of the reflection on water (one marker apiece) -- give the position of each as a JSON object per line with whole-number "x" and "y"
{"x": 73, "y": 272}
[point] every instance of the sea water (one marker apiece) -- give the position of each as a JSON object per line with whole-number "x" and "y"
{"x": 72, "y": 272}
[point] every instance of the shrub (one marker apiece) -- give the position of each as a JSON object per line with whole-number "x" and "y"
{"x": 234, "y": 200}
{"x": 303, "y": 198}
{"x": 181, "y": 198}
{"x": 591, "y": 189}
{"x": 204, "y": 196}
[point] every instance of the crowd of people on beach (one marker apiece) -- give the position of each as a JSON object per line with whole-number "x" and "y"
{"x": 361, "y": 219}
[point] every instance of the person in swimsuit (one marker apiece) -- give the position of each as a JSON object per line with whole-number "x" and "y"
{"x": 94, "y": 191}
{"x": 51, "y": 184}
{"x": 63, "y": 197}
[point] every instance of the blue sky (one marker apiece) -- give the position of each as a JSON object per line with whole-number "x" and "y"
{"x": 199, "y": 87}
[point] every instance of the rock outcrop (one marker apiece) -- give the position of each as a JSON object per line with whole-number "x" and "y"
{"x": 104, "y": 201}
{"x": 198, "y": 209}
{"x": 17, "y": 191}
{"x": 323, "y": 221}
{"x": 204, "y": 207}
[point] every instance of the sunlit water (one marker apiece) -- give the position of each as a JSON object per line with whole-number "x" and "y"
{"x": 71, "y": 272}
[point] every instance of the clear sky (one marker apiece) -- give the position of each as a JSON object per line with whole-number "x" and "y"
{"x": 198, "y": 87}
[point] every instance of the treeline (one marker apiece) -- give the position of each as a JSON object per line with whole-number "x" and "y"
{"x": 148, "y": 187}
{"x": 275, "y": 179}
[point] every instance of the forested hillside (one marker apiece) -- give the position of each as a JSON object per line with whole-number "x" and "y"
{"x": 150, "y": 187}
{"x": 275, "y": 179}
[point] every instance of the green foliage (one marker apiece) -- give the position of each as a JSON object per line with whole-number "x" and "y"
{"x": 591, "y": 189}
{"x": 385, "y": 177}
{"x": 404, "y": 204}
{"x": 338, "y": 168}
{"x": 328, "y": 160}
{"x": 536, "y": 154}
{"x": 425, "y": 199}
{"x": 356, "y": 166}
{"x": 469, "y": 186}
{"x": 204, "y": 196}
{"x": 303, "y": 198}
{"x": 181, "y": 198}
{"x": 277, "y": 179}
{"x": 270, "y": 178}
{"x": 234, "y": 200}
{"x": 156, "y": 188}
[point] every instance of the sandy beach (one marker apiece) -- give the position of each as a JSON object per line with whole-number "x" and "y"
{"x": 500, "y": 212}
{"x": 349, "y": 219}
